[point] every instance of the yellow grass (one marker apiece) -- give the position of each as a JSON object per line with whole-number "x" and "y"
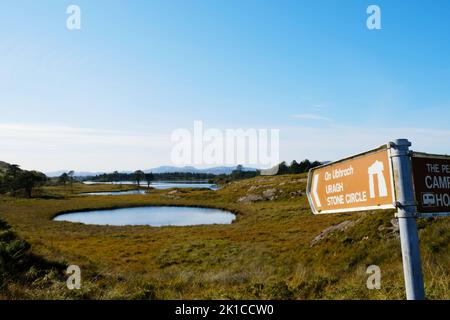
{"x": 265, "y": 254}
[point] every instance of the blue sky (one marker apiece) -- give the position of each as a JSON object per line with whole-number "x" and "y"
{"x": 109, "y": 95}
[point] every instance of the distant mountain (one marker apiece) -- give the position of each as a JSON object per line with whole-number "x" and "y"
{"x": 161, "y": 169}
{"x": 77, "y": 173}
{"x": 213, "y": 170}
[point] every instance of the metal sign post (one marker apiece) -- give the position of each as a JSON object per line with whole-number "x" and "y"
{"x": 407, "y": 214}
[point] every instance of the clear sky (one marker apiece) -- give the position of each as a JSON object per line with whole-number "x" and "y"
{"x": 109, "y": 96}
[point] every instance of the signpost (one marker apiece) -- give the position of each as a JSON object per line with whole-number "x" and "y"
{"x": 416, "y": 184}
{"x": 431, "y": 175}
{"x": 406, "y": 214}
{"x": 361, "y": 182}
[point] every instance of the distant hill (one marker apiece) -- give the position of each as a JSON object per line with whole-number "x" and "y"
{"x": 213, "y": 170}
{"x": 77, "y": 173}
{"x": 161, "y": 169}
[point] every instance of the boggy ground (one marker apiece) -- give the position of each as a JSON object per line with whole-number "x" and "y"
{"x": 275, "y": 249}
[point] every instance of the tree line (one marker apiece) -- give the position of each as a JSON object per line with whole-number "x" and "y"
{"x": 296, "y": 167}
{"x": 283, "y": 168}
{"x": 239, "y": 173}
{"x": 140, "y": 176}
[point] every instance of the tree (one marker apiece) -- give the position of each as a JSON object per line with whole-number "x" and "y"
{"x": 237, "y": 173}
{"x": 28, "y": 180}
{"x": 70, "y": 174}
{"x": 149, "y": 178}
{"x": 295, "y": 167}
{"x": 305, "y": 165}
{"x": 16, "y": 179}
{"x": 138, "y": 176}
{"x": 13, "y": 170}
{"x": 283, "y": 168}
{"x": 10, "y": 180}
{"x": 115, "y": 176}
{"x": 64, "y": 178}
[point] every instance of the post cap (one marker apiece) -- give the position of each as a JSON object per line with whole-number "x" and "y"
{"x": 402, "y": 143}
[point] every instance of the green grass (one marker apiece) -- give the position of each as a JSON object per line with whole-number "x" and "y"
{"x": 265, "y": 254}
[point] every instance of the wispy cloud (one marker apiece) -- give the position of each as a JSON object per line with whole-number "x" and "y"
{"x": 51, "y": 147}
{"x": 51, "y": 135}
{"x": 311, "y": 116}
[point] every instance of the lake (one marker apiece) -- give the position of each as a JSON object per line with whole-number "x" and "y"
{"x": 164, "y": 184}
{"x": 113, "y": 193}
{"x": 157, "y": 216}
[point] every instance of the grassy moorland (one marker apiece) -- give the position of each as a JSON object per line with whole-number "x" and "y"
{"x": 274, "y": 249}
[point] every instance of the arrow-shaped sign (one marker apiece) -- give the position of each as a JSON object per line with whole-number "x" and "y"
{"x": 314, "y": 190}
{"x": 361, "y": 182}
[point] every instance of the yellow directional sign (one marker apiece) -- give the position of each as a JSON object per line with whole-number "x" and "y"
{"x": 362, "y": 182}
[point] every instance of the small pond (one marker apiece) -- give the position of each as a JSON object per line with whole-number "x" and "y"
{"x": 151, "y": 216}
